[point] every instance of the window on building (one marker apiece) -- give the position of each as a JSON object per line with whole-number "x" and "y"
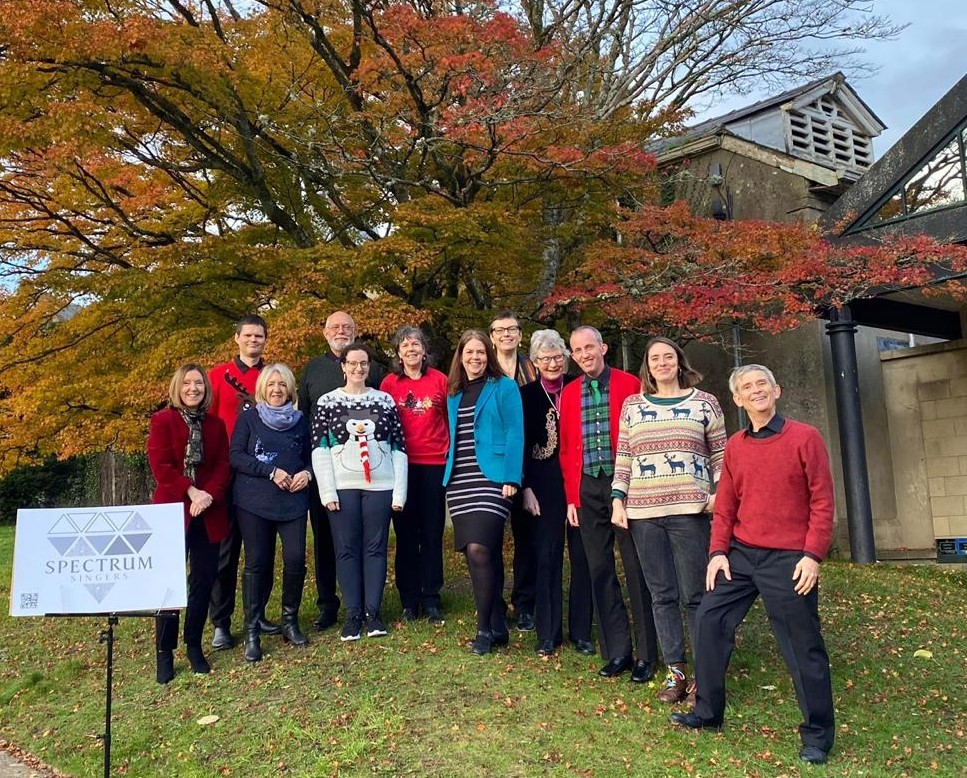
{"x": 939, "y": 182}
{"x": 823, "y": 131}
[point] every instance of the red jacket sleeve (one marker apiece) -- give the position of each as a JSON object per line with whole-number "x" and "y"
{"x": 166, "y": 458}
{"x": 218, "y": 472}
{"x": 570, "y": 454}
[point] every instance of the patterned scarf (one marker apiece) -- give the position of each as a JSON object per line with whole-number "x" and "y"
{"x": 194, "y": 451}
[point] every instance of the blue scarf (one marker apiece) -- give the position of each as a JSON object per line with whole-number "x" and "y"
{"x": 282, "y": 417}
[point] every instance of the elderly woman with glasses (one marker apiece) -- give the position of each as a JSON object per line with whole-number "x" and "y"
{"x": 544, "y": 501}
{"x": 360, "y": 464}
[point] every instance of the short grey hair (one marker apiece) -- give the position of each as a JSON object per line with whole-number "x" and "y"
{"x": 741, "y": 371}
{"x": 547, "y": 340}
{"x": 588, "y": 328}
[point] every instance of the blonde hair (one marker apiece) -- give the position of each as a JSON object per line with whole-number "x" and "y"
{"x": 174, "y": 388}
{"x": 287, "y": 378}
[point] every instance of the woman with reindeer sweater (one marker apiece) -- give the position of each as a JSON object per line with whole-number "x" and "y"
{"x": 671, "y": 441}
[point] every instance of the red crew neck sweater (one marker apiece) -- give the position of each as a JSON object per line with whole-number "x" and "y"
{"x": 775, "y": 492}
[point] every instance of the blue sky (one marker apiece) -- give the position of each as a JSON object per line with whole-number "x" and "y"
{"x": 915, "y": 70}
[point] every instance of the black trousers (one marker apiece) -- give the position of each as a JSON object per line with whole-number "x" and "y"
{"x": 599, "y": 536}
{"x": 523, "y": 529}
{"x": 794, "y": 619}
{"x": 202, "y": 557}
{"x": 323, "y": 554}
{"x": 419, "y": 538}
{"x": 259, "y": 535}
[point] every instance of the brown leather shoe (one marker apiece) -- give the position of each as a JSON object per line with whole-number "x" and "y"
{"x": 690, "y": 695}
{"x": 676, "y": 685}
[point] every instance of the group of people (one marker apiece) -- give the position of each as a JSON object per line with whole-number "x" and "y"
{"x": 588, "y": 461}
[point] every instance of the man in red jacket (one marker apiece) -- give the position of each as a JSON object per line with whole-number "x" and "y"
{"x": 233, "y": 389}
{"x": 772, "y": 527}
{"x": 590, "y": 409}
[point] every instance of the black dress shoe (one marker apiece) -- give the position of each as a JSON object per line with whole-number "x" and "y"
{"x": 326, "y": 619}
{"x": 545, "y": 647}
{"x": 409, "y": 614}
{"x": 813, "y": 755}
{"x": 642, "y": 672}
{"x": 222, "y": 639}
{"x": 267, "y": 627}
{"x": 616, "y": 667}
{"x": 692, "y": 720}
{"x": 500, "y": 638}
{"x": 433, "y": 615}
{"x": 585, "y": 647}
{"x": 482, "y": 644}
{"x": 525, "y": 621}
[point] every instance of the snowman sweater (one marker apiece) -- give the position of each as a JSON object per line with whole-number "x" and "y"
{"x": 358, "y": 443}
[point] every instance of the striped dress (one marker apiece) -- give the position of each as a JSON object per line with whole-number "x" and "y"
{"x": 477, "y": 505}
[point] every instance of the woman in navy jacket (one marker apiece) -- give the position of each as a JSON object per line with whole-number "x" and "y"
{"x": 483, "y": 473}
{"x": 188, "y": 456}
{"x": 270, "y": 454}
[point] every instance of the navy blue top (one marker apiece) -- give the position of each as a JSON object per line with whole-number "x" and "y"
{"x": 255, "y": 451}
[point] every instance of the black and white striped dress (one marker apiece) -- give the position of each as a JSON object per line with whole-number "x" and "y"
{"x": 477, "y": 505}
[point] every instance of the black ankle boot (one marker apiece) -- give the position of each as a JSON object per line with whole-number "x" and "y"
{"x": 292, "y": 582}
{"x": 166, "y": 666}
{"x": 196, "y": 658}
{"x": 252, "y": 603}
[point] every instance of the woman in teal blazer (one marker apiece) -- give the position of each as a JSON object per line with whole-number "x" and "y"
{"x": 483, "y": 474}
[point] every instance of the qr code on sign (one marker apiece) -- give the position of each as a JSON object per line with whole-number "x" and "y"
{"x": 29, "y": 600}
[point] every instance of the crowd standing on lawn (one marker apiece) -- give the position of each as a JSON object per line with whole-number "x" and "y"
{"x": 589, "y": 461}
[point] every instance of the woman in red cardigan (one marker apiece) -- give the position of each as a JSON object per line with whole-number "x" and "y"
{"x": 188, "y": 455}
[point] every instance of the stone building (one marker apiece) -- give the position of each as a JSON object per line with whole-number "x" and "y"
{"x": 806, "y": 155}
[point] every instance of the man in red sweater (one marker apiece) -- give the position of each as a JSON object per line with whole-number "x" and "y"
{"x": 772, "y": 527}
{"x": 233, "y": 389}
{"x": 590, "y": 409}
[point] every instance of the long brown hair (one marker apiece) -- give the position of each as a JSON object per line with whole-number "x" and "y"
{"x": 688, "y": 376}
{"x": 457, "y": 377}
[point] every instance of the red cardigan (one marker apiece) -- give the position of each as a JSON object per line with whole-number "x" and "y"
{"x": 166, "y": 456}
{"x": 621, "y": 385}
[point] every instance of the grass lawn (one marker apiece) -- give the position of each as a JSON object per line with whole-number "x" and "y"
{"x": 418, "y": 703}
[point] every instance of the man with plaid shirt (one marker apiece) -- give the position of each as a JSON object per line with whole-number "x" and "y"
{"x": 590, "y": 409}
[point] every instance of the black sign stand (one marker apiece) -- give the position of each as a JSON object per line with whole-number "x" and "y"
{"x": 106, "y": 636}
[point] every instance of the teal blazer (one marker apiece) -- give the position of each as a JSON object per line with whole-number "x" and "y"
{"x": 498, "y": 431}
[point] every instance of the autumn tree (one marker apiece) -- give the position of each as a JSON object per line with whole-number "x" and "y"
{"x": 676, "y": 273}
{"x": 166, "y": 167}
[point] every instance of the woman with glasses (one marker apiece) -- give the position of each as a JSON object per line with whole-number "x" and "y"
{"x": 546, "y": 505}
{"x": 360, "y": 465}
{"x": 671, "y": 444}
{"x": 483, "y": 474}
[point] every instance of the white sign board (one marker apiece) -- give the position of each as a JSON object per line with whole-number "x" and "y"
{"x": 98, "y": 560}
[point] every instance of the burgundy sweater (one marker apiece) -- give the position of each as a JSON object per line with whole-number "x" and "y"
{"x": 775, "y": 492}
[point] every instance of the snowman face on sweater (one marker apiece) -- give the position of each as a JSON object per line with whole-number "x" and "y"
{"x": 360, "y": 427}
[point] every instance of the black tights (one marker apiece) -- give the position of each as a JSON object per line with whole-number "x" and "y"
{"x": 483, "y": 578}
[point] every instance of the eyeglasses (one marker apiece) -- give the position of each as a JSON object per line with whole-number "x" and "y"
{"x": 513, "y": 329}
{"x": 354, "y": 365}
{"x": 553, "y": 360}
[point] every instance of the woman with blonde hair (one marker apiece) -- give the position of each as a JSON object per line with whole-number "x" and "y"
{"x": 188, "y": 456}
{"x": 271, "y": 456}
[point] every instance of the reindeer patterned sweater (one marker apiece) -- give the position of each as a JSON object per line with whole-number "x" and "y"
{"x": 357, "y": 443}
{"x": 669, "y": 454}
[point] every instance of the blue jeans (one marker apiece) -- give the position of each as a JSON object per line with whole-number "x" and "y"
{"x": 360, "y": 533}
{"x": 673, "y": 551}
